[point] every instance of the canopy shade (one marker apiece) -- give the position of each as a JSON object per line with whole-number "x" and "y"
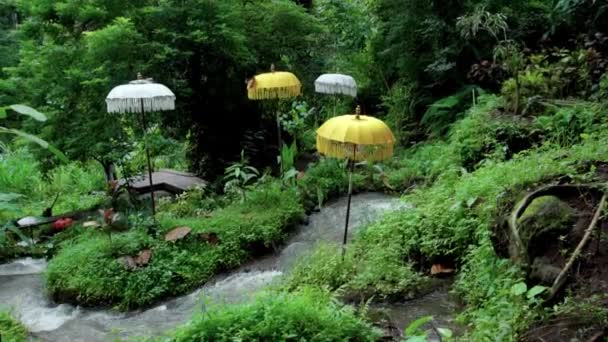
{"x": 274, "y": 85}
{"x": 357, "y": 137}
{"x": 336, "y": 84}
{"x": 128, "y": 98}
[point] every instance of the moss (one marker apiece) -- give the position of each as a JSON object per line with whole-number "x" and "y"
{"x": 10, "y": 329}
{"x": 544, "y": 215}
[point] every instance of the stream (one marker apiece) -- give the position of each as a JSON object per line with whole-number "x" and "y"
{"x": 22, "y": 285}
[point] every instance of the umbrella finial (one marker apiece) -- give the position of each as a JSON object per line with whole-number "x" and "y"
{"x": 358, "y": 111}
{"x": 272, "y": 67}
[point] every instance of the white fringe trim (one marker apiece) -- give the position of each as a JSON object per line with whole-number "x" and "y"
{"x": 133, "y": 105}
{"x": 336, "y": 84}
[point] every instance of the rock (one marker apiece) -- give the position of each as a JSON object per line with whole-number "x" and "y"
{"x": 177, "y": 234}
{"x": 28, "y": 221}
{"x": 545, "y": 214}
{"x": 143, "y": 258}
{"x": 128, "y": 262}
{"x": 543, "y": 271}
{"x": 439, "y": 269}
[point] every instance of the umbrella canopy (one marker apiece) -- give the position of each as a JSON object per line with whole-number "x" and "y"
{"x": 336, "y": 84}
{"x": 129, "y": 98}
{"x": 357, "y": 137}
{"x": 274, "y": 85}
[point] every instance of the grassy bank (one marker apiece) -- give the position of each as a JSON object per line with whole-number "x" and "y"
{"x": 88, "y": 269}
{"x": 10, "y": 329}
{"x": 306, "y": 315}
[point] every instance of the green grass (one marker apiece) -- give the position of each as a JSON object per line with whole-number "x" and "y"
{"x": 10, "y": 329}
{"x": 305, "y": 315}
{"x": 86, "y": 270}
{"x": 75, "y": 183}
{"x": 453, "y": 217}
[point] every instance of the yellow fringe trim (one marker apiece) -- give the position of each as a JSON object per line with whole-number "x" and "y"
{"x": 273, "y": 93}
{"x": 340, "y": 150}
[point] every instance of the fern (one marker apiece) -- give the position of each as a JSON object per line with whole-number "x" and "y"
{"x": 441, "y": 114}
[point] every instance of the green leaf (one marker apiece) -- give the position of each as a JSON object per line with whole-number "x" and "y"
{"x": 2, "y": 112}
{"x": 35, "y": 139}
{"x": 28, "y": 111}
{"x": 416, "y": 339}
{"x": 414, "y": 327}
{"x": 445, "y": 332}
{"x": 24, "y": 135}
{"x": 535, "y": 291}
{"x": 519, "y": 289}
{"x": 9, "y": 196}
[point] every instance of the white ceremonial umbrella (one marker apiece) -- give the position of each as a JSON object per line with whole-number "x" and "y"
{"x": 336, "y": 84}
{"x": 141, "y": 96}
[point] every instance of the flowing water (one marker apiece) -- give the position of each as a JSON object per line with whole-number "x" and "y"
{"x": 22, "y": 288}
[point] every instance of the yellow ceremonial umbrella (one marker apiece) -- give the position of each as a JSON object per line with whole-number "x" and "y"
{"x": 274, "y": 85}
{"x": 357, "y": 138}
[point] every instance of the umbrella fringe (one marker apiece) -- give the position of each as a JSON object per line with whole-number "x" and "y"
{"x": 273, "y": 93}
{"x": 133, "y": 105}
{"x": 341, "y": 150}
{"x": 336, "y": 89}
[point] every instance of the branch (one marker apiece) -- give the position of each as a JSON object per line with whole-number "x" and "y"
{"x": 561, "y": 278}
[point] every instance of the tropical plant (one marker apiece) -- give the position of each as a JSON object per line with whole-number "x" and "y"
{"x": 288, "y": 156}
{"x": 34, "y": 114}
{"x": 414, "y": 332}
{"x": 239, "y": 176}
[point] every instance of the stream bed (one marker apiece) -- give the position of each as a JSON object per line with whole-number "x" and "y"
{"x": 22, "y": 285}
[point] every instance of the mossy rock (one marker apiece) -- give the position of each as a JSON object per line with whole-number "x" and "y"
{"x": 545, "y": 214}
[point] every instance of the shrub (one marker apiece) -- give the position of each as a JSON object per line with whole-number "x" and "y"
{"x": 11, "y": 330}
{"x": 87, "y": 269}
{"x": 305, "y": 315}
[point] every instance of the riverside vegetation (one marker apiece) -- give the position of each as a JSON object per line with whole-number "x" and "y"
{"x": 489, "y": 100}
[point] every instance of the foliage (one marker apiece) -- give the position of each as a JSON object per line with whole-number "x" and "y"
{"x": 11, "y": 330}
{"x": 239, "y": 176}
{"x": 87, "y": 269}
{"x": 442, "y": 113}
{"x": 326, "y": 179}
{"x": 499, "y": 304}
{"x": 195, "y": 202}
{"x": 309, "y": 314}
{"x": 570, "y": 124}
{"x": 362, "y": 275}
{"x": 34, "y": 114}
{"x": 414, "y": 332}
{"x": 74, "y": 184}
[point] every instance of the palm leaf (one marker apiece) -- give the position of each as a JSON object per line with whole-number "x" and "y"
{"x": 28, "y": 111}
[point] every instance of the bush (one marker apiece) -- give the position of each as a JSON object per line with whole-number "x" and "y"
{"x": 497, "y": 306}
{"x": 456, "y": 212}
{"x": 362, "y": 274}
{"x": 87, "y": 270}
{"x": 74, "y": 183}
{"x": 306, "y": 315}
{"x": 11, "y": 330}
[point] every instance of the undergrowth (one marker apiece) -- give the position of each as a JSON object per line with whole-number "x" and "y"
{"x": 452, "y": 220}
{"x": 308, "y": 314}
{"x": 10, "y": 329}
{"x": 87, "y": 270}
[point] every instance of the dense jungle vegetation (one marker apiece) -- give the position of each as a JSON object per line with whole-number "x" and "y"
{"x": 490, "y": 100}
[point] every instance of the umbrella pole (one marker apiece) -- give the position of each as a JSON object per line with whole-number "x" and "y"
{"x": 143, "y": 121}
{"x": 335, "y": 103}
{"x": 280, "y": 142}
{"x": 350, "y": 195}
